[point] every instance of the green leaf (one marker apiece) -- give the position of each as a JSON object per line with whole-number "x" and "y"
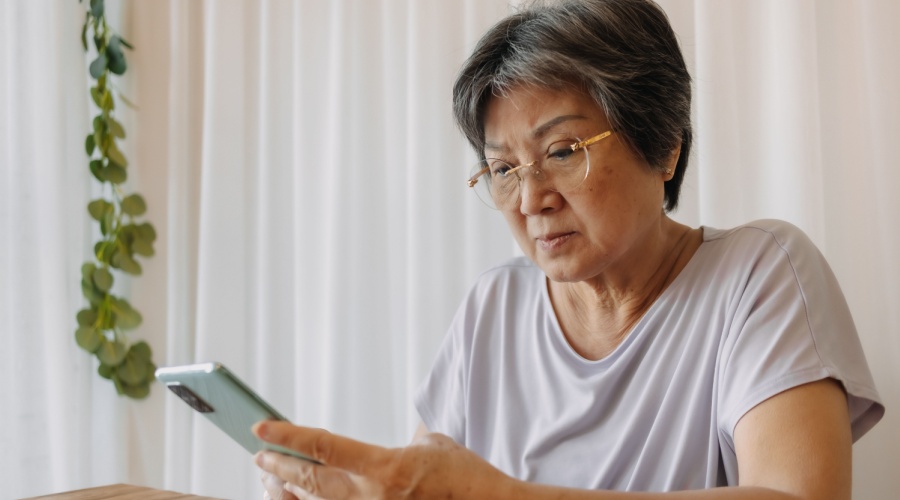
{"x": 146, "y": 232}
{"x": 115, "y": 259}
{"x": 87, "y": 20}
{"x": 134, "y": 205}
{"x": 87, "y": 270}
{"x": 115, "y": 128}
{"x": 86, "y": 317}
{"x": 117, "y": 64}
{"x": 115, "y": 155}
{"x": 108, "y": 224}
{"x": 140, "y": 391}
{"x": 89, "y": 144}
{"x": 115, "y": 173}
{"x": 105, "y": 371}
{"x": 97, "y": 8}
{"x": 116, "y": 57}
{"x": 97, "y": 169}
{"x": 128, "y": 235}
{"x": 103, "y": 279}
{"x": 101, "y": 140}
{"x": 125, "y": 43}
{"x": 97, "y": 96}
{"x": 103, "y": 250}
{"x": 127, "y": 318}
{"x": 132, "y": 371}
{"x": 126, "y": 263}
{"x": 88, "y": 338}
{"x": 142, "y": 350}
{"x": 115, "y": 42}
{"x": 91, "y": 293}
{"x": 111, "y": 353}
{"x": 99, "y": 125}
{"x": 106, "y": 101}
{"x": 99, "y": 208}
{"x": 98, "y": 66}
{"x": 107, "y": 317}
{"x": 142, "y": 247}
{"x": 120, "y": 387}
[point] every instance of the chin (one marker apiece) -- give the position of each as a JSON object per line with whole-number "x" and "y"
{"x": 560, "y": 272}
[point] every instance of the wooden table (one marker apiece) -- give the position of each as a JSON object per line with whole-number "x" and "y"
{"x": 121, "y": 491}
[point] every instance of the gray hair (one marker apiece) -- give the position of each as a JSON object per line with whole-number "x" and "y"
{"x": 622, "y": 52}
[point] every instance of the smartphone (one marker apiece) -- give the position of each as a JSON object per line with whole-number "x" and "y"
{"x": 224, "y": 400}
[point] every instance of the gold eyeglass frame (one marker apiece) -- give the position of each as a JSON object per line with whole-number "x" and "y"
{"x": 575, "y": 147}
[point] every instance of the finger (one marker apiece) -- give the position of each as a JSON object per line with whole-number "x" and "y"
{"x": 327, "y": 448}
{"x": 275, "y": 488}
{"x": 305, "y": 479}
{"x": 300, "y": 493}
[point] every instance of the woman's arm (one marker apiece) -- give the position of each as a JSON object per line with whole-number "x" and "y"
{"x": 795, "y": 445}
{"x": 798, "y": 442}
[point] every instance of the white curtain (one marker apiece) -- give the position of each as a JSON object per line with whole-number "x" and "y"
{"x": 315, "y": 235}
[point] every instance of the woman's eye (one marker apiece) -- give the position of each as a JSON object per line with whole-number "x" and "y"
{"x": 500, "y": 169}
{"x": 560, "y": 153}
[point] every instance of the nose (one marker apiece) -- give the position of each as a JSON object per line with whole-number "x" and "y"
{"x": 535, "y": 194}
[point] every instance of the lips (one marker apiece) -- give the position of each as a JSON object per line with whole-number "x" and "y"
{"x": 552, "y": 241}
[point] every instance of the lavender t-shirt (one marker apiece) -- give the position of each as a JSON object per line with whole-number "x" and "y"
{"x": 756, "y": 311}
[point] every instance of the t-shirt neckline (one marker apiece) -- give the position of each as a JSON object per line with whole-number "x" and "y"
{"x": 560, "y": 339}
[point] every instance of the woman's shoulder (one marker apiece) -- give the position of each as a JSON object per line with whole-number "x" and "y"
{"x": 512, "y": 279}
{"x": 774, "y": 229}
{"x": 764, "y": 235}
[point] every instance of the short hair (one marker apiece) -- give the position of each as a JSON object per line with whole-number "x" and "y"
{"x": 622, "y": 52}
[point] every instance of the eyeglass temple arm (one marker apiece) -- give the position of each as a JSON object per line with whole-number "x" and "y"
{"x": 474, "y": 179}
{"x": 587, "y": 142}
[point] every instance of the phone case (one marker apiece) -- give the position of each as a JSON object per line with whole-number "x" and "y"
{"x": 221, "y": 397}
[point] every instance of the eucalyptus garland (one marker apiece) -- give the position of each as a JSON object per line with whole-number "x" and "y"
{"x": 102, "y": 325}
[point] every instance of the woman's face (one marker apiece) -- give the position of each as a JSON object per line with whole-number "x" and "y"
{"x": 608, "y": 223}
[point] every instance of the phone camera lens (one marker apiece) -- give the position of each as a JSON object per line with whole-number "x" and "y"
{"x": 190, "y": 398}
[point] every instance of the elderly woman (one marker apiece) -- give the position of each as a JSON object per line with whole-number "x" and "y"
{"x": 625, "y": 352}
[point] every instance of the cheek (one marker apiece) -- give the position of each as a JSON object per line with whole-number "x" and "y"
{"x": 516, "y": 222}
{"x": 627, "y": 190}
{"x": 517, "y": 226}
{"x": 599, "y": 189}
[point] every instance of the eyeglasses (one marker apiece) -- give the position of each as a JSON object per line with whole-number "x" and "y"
{"x": 564, "y": 167}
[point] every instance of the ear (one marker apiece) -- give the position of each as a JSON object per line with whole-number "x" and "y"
{"x": 671, "y": 162}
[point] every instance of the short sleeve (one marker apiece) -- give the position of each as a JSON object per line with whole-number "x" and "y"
{"x": 791, "y": 326}
{"x": 441, "y": 398}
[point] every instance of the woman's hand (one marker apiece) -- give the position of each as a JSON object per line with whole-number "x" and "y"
{"x": 432, "y": 466}
{"x": 275, "y": 488}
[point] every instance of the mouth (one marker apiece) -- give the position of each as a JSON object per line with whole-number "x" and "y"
{"x": 552, "y": 241}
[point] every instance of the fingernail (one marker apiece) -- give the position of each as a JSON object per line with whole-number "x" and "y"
{"x": 260, "y": 458}
{"x": 260, "y": 430}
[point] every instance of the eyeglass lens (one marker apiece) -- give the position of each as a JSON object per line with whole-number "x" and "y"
{"x": 561, "y": 169}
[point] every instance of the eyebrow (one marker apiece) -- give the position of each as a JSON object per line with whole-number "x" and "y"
{"x": 541, "y": 130}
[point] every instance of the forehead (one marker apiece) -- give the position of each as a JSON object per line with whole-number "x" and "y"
{"x": 527, "y": 113}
